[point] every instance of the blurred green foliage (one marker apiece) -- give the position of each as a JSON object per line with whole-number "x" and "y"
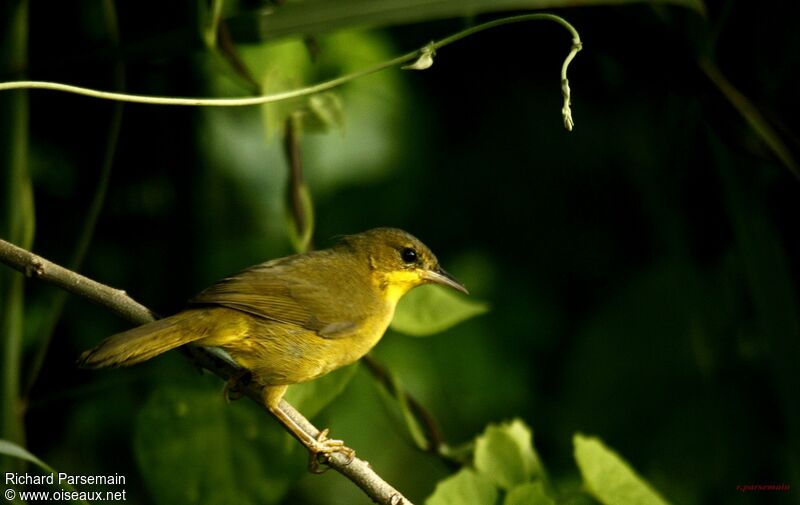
{"x": 641, "y": 271}
{"x": 608, "y": 478}
{"x": 190, "y": 450}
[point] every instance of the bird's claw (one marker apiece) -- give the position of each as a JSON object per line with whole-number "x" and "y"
{"x": 322, "y": 449}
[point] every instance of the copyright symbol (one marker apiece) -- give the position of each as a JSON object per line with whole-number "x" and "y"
{"x": 10, "y": 494}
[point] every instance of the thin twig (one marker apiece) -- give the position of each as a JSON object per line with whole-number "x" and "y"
{"x": 751, "y": 115}
{"x": 428, "y": 51}
{"x": 32, "y": 265}
{"x": 433, "y": 434}
{"x": 423, "y": 54}
{"x": 296, "y": 188}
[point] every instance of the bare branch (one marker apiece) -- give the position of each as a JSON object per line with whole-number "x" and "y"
{"x": 116, "y": 300}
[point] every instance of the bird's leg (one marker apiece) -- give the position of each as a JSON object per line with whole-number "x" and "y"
{"x": 321, "y": 445}
{"x": 234, "y": 388}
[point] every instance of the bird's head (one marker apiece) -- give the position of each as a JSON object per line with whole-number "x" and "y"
{"x": 399, "y": 261}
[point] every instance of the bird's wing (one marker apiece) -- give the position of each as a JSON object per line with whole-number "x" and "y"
{"x": 280, "y": 291}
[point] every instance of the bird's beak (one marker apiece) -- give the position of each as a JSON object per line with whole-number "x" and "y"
{"x": 439, "y": 276}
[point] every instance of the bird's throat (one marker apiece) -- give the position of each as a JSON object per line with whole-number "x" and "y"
{"x": 394, "y": 285}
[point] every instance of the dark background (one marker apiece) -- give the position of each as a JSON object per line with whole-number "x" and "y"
{"x": 641, "y": 270}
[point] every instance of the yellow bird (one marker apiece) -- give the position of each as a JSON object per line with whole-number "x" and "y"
{"x": 292, "y": 319}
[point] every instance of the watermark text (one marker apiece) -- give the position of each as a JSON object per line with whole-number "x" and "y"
{"x": 19, "y": 487}
{"x": 746, "y": 488}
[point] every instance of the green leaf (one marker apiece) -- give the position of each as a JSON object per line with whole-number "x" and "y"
{"x": 375, "y": 129}
{"x": 376, "y": 119}
{"x": 320, "y": 16}
{"x": 11, "y": 449}
{"x": 15, "y": 451}
{"x": 464, "y": 488}
{"x": 531, "y": 493}
{"x": 609, "y": 478}
{"x": 376, "y": 116}
{"x": 424, "y": 62}
{"x": 504, "y": 454}
{"x": 311, "y": 397}
{"x": 325, "y": 113}
{"x": 430, "y": 309}
{"x": 279, "y": 67}
{"x": 193, "y": 448}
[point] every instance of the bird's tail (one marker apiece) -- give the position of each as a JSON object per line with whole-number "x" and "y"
{"x": 144, "y": 342}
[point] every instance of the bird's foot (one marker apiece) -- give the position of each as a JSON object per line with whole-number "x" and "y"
{"x": 234, "y": 388}
{"x": 321, "y": 449}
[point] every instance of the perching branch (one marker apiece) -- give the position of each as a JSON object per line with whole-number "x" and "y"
{"x": 422, "y": 58}
{"x": 357, "y": 470}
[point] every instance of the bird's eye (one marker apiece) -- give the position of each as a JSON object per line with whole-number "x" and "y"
{"x": 408, "y": 255}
